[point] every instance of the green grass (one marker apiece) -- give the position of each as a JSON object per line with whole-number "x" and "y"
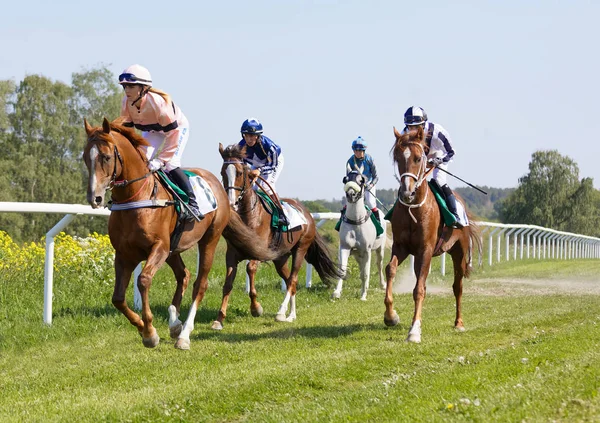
{"x": 524, "y": 357}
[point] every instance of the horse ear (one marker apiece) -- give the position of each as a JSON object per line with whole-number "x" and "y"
{"x": 106, "y": 126}
{"x": 88, "y": 127}
{"x": 345, "y": 179}
{"x": 396, "y": 133}
{"x": 221, "y": 149}
{"x": 420, "y": 132}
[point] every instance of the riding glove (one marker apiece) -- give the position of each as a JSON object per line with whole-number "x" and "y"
{"x": 435, "y": 161}
{"x": 154, "y": 165}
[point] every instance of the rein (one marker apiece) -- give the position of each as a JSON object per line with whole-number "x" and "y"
{"x": 242, "y": 189}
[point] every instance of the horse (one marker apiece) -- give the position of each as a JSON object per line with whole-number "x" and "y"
{"x": 358, "y": 235}
{"x": 115, "y": 159}
{"x": 303, "y": 242}
{"x": 418, "y": 229}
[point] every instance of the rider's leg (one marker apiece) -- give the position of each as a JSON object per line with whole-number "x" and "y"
{"x": 371, "y": 202}
{"x": 450, "y": 201}
{"x": 183, "y": 182}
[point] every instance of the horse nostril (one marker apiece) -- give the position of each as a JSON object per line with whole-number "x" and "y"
{"x": 98, "y": 200}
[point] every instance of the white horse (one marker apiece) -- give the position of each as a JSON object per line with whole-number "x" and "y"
{"x": 358, "y": 235}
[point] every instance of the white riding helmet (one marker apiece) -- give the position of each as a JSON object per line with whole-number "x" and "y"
{"x": 136, "y": 74}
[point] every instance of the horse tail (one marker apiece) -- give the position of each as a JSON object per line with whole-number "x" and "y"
{"x": 245, "y": 240}
{"x": 474, "y": 238}
{"x": 319, "y": 256}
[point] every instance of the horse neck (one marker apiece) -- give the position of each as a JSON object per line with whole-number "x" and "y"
{"x": 133, "y": 167}
{"x": 356, "y": 211}
{"x": 250, "y": 209}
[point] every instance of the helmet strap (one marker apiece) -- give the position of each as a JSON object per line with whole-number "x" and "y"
{"x": 142, "y": 94}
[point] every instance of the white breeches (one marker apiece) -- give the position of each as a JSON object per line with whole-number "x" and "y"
{"x": 156, "y": 140}
{"x": 271, "y": 177}
{"x": 439, "y": 176}
{"x": 370, "y": 198}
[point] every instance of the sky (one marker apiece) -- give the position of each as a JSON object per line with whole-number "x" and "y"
{"x": 505, "y": 78}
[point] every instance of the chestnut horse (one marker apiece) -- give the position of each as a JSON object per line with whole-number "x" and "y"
{"x": 116, "y": 160}
{"x": 419, "y": 229}
{"x": 301, "y": 243}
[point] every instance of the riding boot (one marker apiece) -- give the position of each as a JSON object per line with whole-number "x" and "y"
{"x": 183, "y": 182}
{"x": 451, "y": 203}
{"x": 375, "y": 212}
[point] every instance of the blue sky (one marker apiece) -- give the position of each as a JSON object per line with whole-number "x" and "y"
{"x": 504, "y": 78}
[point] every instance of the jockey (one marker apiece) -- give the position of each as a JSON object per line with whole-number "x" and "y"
{"x": 262, "y": 154}
{"x": 163, "y": 125}
{"x": 363, "y": 163}
{"x": 440, "y": 153}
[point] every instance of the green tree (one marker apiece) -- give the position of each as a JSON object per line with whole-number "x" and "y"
{"x": 42, "y": 135}
{"x": 552, "y": 196}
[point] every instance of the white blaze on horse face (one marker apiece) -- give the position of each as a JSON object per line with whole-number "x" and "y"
{"x": 231, "y": 172}
{"x": 93, "y": 160}
{"x": 407, "y": 179}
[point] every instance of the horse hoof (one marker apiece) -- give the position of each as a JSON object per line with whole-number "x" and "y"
{"x": 363, "y": 298}
{"x": 459, "y": 328}
{"x": 414, "y": 338}
{"x": 182, "y": 344}
{"x": 152, "y": 341}
{"x": 217, "y": 325}
{"x": 290, "y": 319}
{"x": 280, "y": 318}
{"x": 336, "y": 295}
{"x": 175, "y": 330}
{"x": 257, "y": 312}
{"x": 393, "y": 321}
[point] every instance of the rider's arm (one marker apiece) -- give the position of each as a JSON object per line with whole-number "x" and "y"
{"x": 374, "y": 177}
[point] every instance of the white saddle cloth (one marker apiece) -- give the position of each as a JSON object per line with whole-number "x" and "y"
{"x": 462, "y": 214}
{"x": 204, "y": 195}
{"x": 294, "y": 216}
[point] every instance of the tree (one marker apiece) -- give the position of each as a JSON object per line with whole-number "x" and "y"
{"x": 552, "y": 196}
{"x": 42, "y": 139}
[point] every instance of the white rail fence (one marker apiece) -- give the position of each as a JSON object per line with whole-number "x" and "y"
{"x": 527, "y": 241}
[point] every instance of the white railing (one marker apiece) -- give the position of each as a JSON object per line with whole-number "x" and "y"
{"x": 541, "y": 242}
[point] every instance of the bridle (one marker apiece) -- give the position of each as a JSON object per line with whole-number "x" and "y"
{"x": 241, "y": 189}
{"x": 419, "y": 178}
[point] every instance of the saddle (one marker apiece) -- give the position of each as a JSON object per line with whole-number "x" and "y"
{"x": 370, "y": 215}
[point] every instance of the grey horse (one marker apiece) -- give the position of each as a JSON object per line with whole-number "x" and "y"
{"x": 358, "y": 235}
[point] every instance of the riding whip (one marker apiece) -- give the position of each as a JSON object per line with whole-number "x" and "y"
{"x": 471, "y": 185}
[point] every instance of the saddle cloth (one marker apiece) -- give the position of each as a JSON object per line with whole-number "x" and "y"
{"x": 204, "y": 194}
{"x": 293, "y": 216}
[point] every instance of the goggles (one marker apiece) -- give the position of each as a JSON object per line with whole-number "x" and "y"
{"x": 414, "y": 120}
{"x": 129, "y": 77}
{"x": 359, "y": 147}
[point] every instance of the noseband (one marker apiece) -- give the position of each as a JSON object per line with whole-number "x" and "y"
{"x": 419, "y": 178}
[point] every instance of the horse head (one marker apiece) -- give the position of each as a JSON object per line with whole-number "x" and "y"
{"x": 104, "y": 156}
{"x": 410, "y": 156}
{"x": 354, "y": 184}
{"x": 234, "y": 173}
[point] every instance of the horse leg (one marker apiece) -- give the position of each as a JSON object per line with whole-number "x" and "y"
{"x": 365, "y": 273}
{"x": 182, "y": 275}
{"x": 390, "y": 317}
{"x": 206, "y": 251}
{"x": 231, "y": 262}
{"x": 379, "y": 253}
{"x": 255, "y": 308}
{"x": 422, "y": 263}
{"x": 156, "y": 259}
{"x": 290, "y": 294}
{"x": 343, "y": 255}
{"x": 460, "y": 263}
{"x": 123, "y": 271}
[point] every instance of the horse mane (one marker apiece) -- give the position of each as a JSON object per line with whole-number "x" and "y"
{"x": 234, "y": 151}
{"x": 412, "y": 136}
{"x": 117, "y": 125}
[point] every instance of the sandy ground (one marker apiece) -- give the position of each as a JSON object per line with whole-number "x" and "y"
{"x": 405, "y": 283}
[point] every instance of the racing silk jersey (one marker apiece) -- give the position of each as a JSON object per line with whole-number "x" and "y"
{"x": 263, "y": 155}
{"x": 156, "y": 115}
{"x": 438, "y": 141}
{"x": 368, "y": 167}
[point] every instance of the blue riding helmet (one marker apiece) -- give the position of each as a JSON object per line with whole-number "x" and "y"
{"x": 252, "y": 126}
{"x": 359, "y": 144}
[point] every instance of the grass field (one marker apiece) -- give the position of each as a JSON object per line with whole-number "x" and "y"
{"x": 530, "y": 352}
